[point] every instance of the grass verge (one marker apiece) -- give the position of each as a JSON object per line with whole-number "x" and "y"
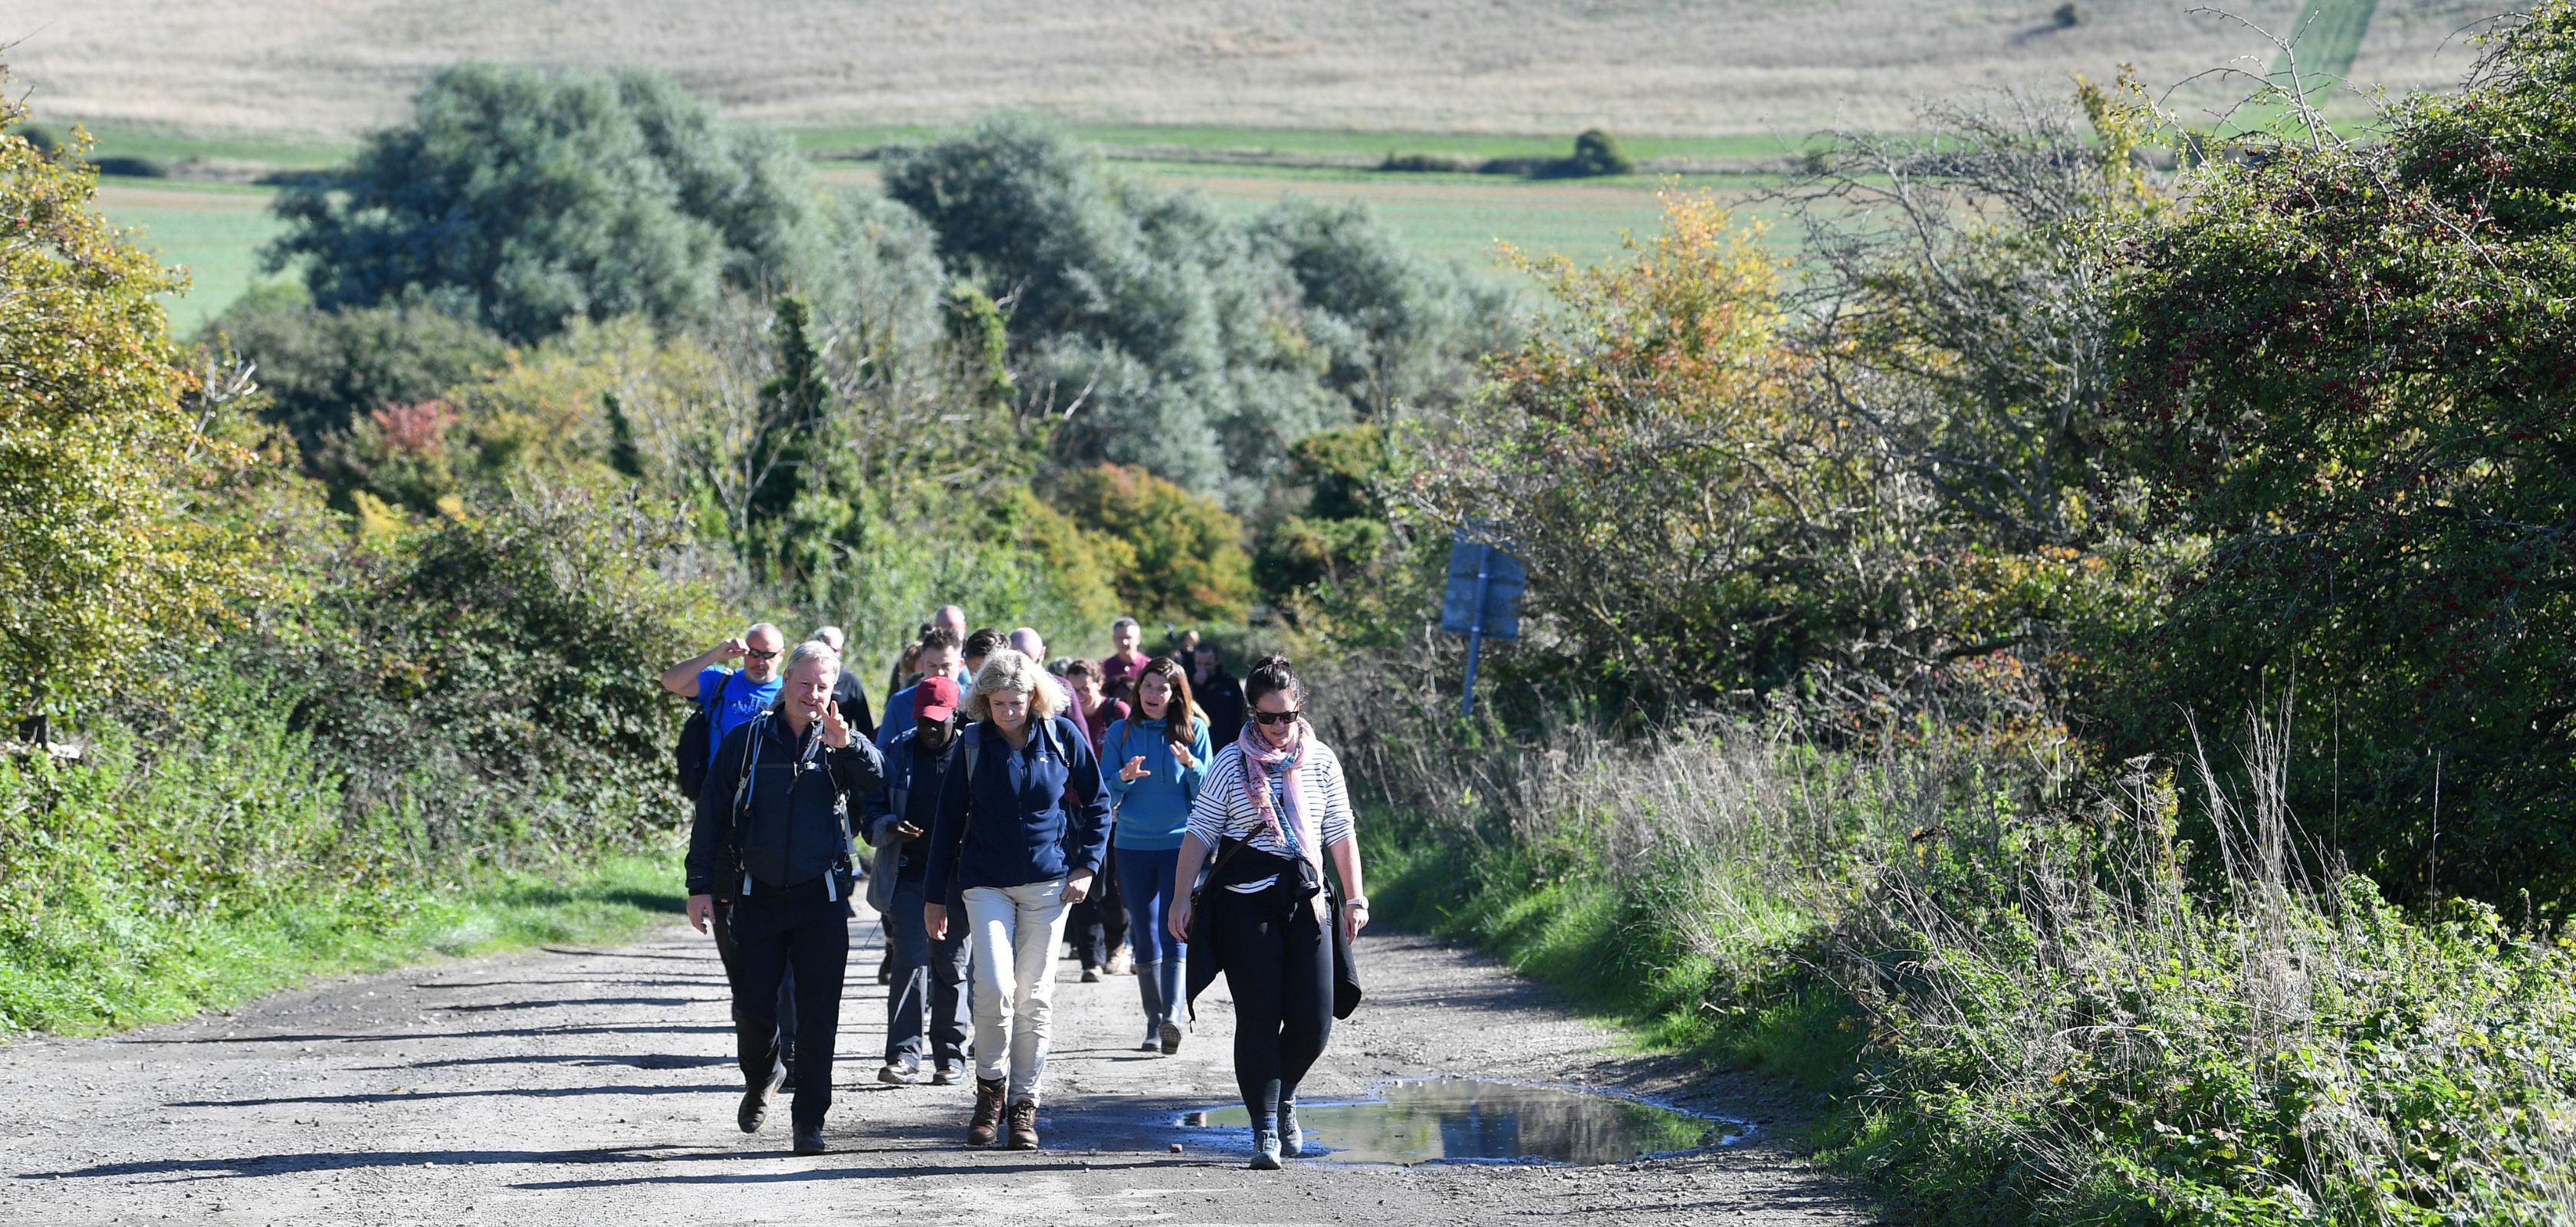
{"x": 144, "y": 970}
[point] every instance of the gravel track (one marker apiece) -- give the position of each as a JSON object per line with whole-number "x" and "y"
{"x": 571, "y": 1085}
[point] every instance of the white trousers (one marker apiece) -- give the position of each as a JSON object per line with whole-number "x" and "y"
{"x": 1015, "y": 932}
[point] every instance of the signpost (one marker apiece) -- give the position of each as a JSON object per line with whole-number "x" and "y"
{"x": 1483, "y": 602}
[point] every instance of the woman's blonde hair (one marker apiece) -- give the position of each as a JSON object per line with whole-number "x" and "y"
{"x": 1009, "y": 669}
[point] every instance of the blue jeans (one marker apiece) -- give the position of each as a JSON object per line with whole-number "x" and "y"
{"x": 926, "y": 1004}
{"x": 1146, "y": 875}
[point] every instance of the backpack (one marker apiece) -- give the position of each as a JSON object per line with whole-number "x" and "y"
{"x": 741, "y": 823}
{"x": 697, "y": 742}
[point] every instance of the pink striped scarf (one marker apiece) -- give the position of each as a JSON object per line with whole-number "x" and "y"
{"x": 1260, "y": 760}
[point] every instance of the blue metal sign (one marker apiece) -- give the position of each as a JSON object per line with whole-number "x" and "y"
{"x": 1483, "y": 602}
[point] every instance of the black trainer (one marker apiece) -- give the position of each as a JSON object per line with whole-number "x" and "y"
{"x": 809, "y": 1141}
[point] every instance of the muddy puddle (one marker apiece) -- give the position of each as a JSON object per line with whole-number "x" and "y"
{"x": 1472, "y": 1120}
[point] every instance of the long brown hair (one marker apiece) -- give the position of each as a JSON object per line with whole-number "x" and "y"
{"x": 1178, "y": 732}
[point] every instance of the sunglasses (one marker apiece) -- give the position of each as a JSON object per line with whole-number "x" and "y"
{"x": 1276, "y": 717}
{"x": 757, "y": 654}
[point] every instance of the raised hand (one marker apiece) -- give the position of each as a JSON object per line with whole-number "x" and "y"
{"x": 733, "y": 649}
{"x": 836, "y": 731}
{"x": 1133, "y": 771}
{"x": 1182, "y": 755}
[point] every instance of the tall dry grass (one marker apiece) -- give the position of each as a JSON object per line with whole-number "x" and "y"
{"x": 2138, "y": 994}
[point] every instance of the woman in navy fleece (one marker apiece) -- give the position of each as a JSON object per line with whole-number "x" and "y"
{"x": 1023, "y": 824}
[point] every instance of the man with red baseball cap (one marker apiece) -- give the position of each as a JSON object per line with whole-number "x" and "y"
{"x": 926, "y": 1001}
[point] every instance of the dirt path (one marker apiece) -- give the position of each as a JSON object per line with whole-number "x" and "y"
{"x": 593, "y": 1086}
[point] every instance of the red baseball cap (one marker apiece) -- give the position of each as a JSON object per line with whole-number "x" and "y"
{"x": 935, "y": 698}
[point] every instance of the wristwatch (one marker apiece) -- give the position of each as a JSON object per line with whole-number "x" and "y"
{"x": 1356, "y": 901}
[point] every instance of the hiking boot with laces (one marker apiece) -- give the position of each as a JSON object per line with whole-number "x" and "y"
{"x": 1024, "y": 1125}
{"x": 988, "y": 1114}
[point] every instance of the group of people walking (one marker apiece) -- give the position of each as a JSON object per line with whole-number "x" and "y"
{"x": 1002, "y": 793}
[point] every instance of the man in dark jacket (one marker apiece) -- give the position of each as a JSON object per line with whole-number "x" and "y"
{"x": 1218, "y": 694}
{"x": 926, "y": 999}
{"x": 772, "y": 839}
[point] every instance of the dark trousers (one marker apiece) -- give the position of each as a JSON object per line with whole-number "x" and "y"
{"x": 1098, "y": 924}
{"x": 926, "y": 1003}
{"x": 1280, "y": 971}
{"x": 786, "y": 1011}
{"x": 798, "y": 929}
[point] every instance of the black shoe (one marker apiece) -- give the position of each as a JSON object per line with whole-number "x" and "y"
{"x": 787, "y": 1068}
{"x": 809, "y": 1141}
{"x": 755, "y": 1105}
{"x": 885, "y": 969}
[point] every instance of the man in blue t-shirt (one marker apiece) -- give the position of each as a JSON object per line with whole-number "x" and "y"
{"x": 732, "y": 698}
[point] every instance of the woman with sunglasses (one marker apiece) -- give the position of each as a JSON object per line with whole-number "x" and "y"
{"x": 1271, "y": 810}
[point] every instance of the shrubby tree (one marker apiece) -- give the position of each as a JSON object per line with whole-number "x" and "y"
{"x": 1191, "y": 346}
{"x": 1396, "y": 329}
{"x": 1690, "y": 523}
{"x": 325, "y": 370}
{"x": 1960, "y": 283}
{"x": 122, "y": 477}
{"x": 1173, "y": 554}
{"x": 1343, "y": 533}
{"x": 2347, "y": 369}
{"x": 521, "y": 197}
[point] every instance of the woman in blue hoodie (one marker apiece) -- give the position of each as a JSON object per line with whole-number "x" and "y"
{"x": 1159, "y": 755}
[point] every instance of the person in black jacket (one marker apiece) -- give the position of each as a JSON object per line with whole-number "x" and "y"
{"x": 1218, "y": 694}
{"x": 772, "y": 839}
{"x": 925, "y": 1000}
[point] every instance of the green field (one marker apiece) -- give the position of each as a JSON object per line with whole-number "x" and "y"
{"x": 2327, "y": 36}
{"x": 214, "y": 230}
{"x": 1462, "y": 217}
{"x": 1145, "y": 139}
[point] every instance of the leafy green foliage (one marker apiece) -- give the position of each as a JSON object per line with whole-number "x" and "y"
{"x": 1193, "y": 347}
{"x": 1344, "y": 534}
{"x": 117, "y": 479}
{"x": 522, "y": 198}
{"x": 1691, "y": 522}
{"x": 542, "y": 611}
{"x": 324, "y": 371}
{"x": 1173, "y": 554}
{"x": 2347, "y": 369}
{"x": 1597, "y": 153}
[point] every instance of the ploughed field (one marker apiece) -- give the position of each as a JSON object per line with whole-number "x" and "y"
{"x": 1640, "y": 67}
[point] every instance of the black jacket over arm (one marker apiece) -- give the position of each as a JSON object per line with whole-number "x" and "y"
{"x": 796, "y": 825}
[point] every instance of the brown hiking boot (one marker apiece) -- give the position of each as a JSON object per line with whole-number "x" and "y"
{"x": 988, "y": 1114}
{"x": 1024, "y": 1125}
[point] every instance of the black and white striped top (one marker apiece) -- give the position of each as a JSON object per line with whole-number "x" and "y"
{"x": 1225, "y": 809}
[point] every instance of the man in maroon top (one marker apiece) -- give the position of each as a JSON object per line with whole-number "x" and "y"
{"x": 1119, "y": 669}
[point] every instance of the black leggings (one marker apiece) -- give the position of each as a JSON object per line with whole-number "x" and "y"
{"x": 1280, "y": 972}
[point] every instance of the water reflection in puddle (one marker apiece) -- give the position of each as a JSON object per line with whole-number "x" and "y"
{"x": 1472, "y": 1119}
